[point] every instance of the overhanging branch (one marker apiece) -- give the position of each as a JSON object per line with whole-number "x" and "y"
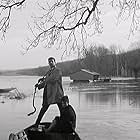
{"x": 5, "y": 18}
{"x": 55, "y": 30}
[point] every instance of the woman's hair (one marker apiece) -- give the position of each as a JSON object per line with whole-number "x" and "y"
{"x": 65, "y": 99}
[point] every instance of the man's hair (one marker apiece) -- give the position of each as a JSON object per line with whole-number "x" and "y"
{"x": 65, "y": 99}
{"x": 51, "y": 58}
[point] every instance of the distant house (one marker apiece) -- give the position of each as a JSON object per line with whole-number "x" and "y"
{"x": 84, "y": 75}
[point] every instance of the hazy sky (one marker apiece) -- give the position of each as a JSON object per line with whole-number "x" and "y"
{"x": 11, "y": 58}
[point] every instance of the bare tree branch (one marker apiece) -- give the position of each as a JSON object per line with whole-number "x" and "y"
{"x": 128, "y": 9}
{"x": 68, "y": 23}
{"x": 6, "y": 7}
{"x": 74, "y": 17}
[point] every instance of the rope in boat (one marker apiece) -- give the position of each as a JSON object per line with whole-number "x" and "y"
{"x": 33, "y": 103}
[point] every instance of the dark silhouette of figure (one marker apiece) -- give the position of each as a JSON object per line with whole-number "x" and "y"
{"x": 66, "y": 123}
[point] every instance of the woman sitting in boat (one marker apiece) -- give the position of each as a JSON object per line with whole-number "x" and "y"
{"x": 66, "y": 123}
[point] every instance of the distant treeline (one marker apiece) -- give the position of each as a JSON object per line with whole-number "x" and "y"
{"x": 67, "y": 68}
{"x": 107, "y": 62}
{"x": 112, "y": 61}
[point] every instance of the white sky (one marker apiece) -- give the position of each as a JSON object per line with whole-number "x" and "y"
{"x": 11, "y": 58}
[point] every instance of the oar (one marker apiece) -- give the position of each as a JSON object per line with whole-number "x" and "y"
{"x": 33, "y": 103}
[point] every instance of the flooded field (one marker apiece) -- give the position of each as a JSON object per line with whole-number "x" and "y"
{"x": 105, "y": 111}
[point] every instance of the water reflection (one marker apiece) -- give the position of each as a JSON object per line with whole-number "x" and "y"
{"x": 123, "y": 94}
{"x": 96, "y": 105}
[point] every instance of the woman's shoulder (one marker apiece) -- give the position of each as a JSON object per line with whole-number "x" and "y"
{"x": 70, "y": 107}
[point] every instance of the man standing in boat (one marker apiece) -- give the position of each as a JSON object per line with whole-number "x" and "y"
{"x": 53, "y": 90}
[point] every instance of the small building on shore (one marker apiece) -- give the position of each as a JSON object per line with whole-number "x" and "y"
{"x": 84, "y": 75}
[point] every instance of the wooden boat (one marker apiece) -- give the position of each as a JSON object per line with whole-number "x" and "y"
{"x": 31, "y": 134}
{"x": 4, "y": 90}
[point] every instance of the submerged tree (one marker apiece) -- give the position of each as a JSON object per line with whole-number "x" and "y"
{"x": 70, "y": 22}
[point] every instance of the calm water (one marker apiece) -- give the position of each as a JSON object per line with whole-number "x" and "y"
{"x": 105, "y": 111}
